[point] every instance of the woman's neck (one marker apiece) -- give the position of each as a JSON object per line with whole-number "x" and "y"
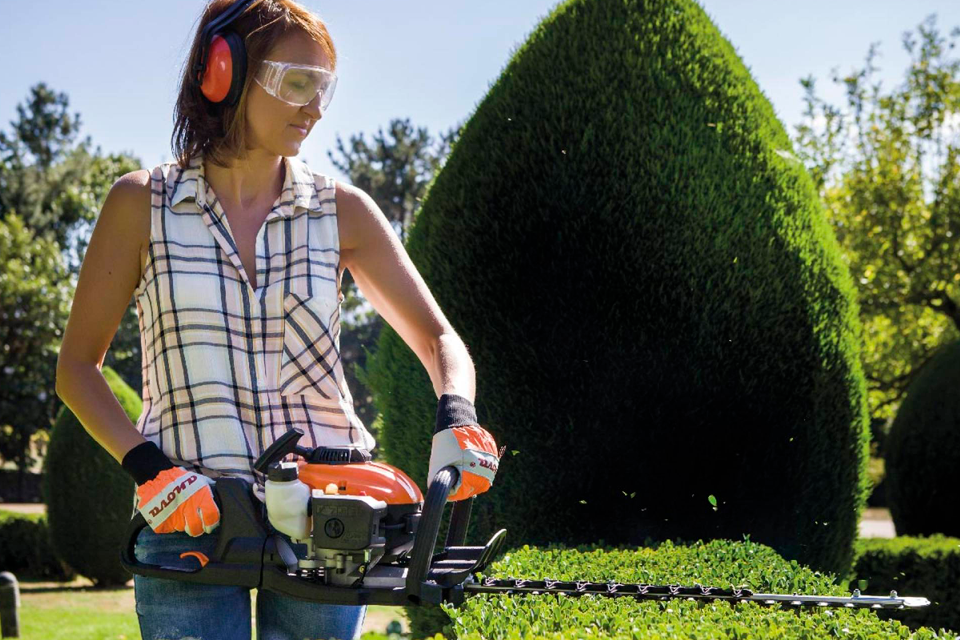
{"x": 247, "y": 182}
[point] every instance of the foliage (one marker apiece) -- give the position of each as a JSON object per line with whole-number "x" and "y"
{"x": 57, "y": 188}
{"x": 719, "y": 563}
{"x": 913, "y": 566}
{"x": 34, "y": 298}
{"x": 89, "y": 496}
{"x": 923, "y": 451}
{"x": 890, "y": 179}
{"x": 656, "y": 308}
{"x": 25, "y": 548}
{"x": 53, "y": 185}
{"x": 394, "y": 171}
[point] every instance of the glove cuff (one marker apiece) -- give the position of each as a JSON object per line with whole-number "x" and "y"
{"x": 454, "y": 411}
{"x": 145, "y": 462}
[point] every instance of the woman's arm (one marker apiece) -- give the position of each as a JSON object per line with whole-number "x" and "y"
{"x": 387, "y": 277}
{"x": 108, "y": 278}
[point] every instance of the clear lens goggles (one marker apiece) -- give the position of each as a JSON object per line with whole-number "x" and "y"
{"x": 297, "y": 84}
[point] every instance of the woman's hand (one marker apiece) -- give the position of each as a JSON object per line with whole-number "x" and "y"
{"x": 179, "y": 500}
{"x": 462, "y": 443}
{"x": 171, "y": 498}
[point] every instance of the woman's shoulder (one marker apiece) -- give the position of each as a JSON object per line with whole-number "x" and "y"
{"x": 124, "y": 218}
{"x": 137, "y": 185}
{"x": 132, "y": 191}
{"x": 359, "y": 217}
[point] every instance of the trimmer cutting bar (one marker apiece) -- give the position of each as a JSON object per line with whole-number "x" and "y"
{"x": 698, "y": 592}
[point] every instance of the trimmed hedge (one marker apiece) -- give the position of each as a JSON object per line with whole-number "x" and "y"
{"x": 923, "y": 451}
{"x": 657, "y": 309}
{"x": 89, "y": 496}
{"x": 914, "y": 566}
{"x": 717, "y": 563}
{"x": 25, "y": 548}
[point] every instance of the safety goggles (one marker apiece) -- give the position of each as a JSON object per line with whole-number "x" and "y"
{"x": 297, "y": 84}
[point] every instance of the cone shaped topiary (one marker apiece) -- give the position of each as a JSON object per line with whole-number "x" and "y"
{"x": 923, "y": 451}
{"x": 664, "y": 334}
{"x": 89, "y": 496}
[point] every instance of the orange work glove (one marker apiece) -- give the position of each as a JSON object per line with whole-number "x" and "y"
{"x": 460, "y": 442}
{"x": 172, "y": 499}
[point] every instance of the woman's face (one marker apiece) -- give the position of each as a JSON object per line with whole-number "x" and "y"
{"x": 271, "y": 122}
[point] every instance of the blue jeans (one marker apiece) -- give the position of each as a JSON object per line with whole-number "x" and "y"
{"x": 175, "y": 610}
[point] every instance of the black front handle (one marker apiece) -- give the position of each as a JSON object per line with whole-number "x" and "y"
{"x": 241, "y": 538}
{"x": 429, "y": 528}
{"x": 459, "y": 519}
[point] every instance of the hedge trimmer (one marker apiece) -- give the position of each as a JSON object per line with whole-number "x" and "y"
{"x": 370, "y": 537}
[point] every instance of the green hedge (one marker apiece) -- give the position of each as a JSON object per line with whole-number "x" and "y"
{"x": 717, "y": 563}
{"x": 656, "y": 308}
{"x": 914, "y": 566}
{"x": 25, "y": 548}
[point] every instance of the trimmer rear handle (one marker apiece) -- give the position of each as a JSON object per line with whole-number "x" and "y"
{"x": 241, "y": 535}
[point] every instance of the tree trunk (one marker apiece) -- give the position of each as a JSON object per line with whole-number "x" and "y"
{"x": 21, "y": 475}
{"x": 22, "y": 458}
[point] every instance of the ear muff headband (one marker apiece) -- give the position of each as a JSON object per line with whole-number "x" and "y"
{"x": 221, "y": 76}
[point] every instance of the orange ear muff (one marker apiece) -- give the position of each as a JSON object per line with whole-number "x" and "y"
{"x": 225, "y": 69}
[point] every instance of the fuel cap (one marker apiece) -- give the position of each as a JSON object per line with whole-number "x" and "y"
{"x": 284, "y": 472}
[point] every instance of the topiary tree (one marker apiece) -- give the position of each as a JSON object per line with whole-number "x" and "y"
{"x": 89, "y": 496}
{"x": 923, "y": 450}
{"x": 658, "y": 312}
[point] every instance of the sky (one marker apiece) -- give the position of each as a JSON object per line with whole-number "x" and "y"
{"x": 431, "y": 61}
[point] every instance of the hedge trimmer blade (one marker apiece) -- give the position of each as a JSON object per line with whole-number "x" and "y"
{"x": 515, "y": 586}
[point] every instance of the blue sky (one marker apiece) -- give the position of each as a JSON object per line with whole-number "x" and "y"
{"x": 429, "y": 60}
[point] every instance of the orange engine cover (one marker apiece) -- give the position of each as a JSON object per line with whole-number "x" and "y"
{"x": 375, "y": 479}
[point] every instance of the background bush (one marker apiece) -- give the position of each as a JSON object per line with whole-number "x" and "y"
{"x": 25, "y": 548}
{"x": 923, "y": 451}
{"x": 656, "y": 308}
{"x": 89, "y": 496}
{"x": 913, "y": 566}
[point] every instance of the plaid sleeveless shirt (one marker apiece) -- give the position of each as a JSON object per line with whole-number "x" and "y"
{"x": 228, "y": 369}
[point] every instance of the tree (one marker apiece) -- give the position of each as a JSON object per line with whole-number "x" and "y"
{"x": 395, "y": 172}
{"x": 34, "y": 301}
{"x": 894, "y": 202}
{"x": 57, "y": 189}
{"x": 53, "y": 185}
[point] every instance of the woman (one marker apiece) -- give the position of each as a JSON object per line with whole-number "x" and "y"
{"x": 235, "y": 254}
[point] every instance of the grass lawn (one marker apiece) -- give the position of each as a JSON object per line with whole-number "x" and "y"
{"x": 76, "y": 611}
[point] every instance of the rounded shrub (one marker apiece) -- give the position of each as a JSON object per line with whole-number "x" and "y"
{"x": 665, "y": 336}
{"x": 923, "y": 451}
{"x": 25, "y": 548}
{"x": 89, "y": 496}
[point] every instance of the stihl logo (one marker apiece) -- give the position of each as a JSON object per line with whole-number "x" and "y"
{"x": 173, "y": 495}
{"x": 335, "y": 510}
{"x": 488, "y": 464}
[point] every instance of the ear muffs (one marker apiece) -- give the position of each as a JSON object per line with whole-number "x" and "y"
{"x": 225, "y": 70}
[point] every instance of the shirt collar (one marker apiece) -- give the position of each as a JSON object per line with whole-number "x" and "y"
{"x": 298, "y": 184}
